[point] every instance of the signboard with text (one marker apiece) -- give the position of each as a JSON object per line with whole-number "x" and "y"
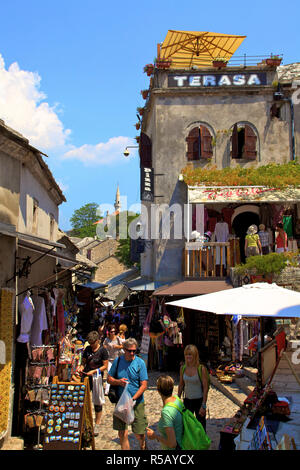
{"x": 147, "y": 184}
{"x": 217, "y": 79}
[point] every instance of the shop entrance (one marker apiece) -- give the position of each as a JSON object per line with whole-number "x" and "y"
{"x": 240, "y": 225}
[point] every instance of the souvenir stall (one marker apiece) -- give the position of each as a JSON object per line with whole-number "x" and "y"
{"x": 162, "y": 343}
{"x": 224, "y": 215}
{"x": 264, "y": 409}
{"x": 48, "y": 347}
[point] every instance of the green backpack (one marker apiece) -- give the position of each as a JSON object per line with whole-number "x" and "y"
{"x": 194, "y": 437}
{"x": 200, "y": 373}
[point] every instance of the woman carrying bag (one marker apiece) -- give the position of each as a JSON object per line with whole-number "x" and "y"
{"x": 194, "y": 382}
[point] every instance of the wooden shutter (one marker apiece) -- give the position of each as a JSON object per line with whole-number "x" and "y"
{"x": 193, "y": 145}
{"x": 234, "y": 143}
{"x": 145, "y": 150}
{"x": 206, "y": 143}
{"x": 250, "y": 143}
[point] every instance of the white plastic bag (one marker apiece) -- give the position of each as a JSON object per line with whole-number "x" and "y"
{"x": 98, "y": 397}
{"x": 124, "y": 408}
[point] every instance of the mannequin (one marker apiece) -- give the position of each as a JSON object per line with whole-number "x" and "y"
{"x": 221, "y": 235}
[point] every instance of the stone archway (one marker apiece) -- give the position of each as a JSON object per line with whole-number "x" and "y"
{"x": 241, "y": 220}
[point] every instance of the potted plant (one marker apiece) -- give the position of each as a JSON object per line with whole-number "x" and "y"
{"x": 137, "y": 125}
{"x": 274, "y": 61}
{"x": 144, "y": 94}
{"x": 220, "y": 62}
{"x": 149, "y": 69}
{"x": 163, "y": 63}
{"x": 137, "y": 138}
{"x": 140, "y": 110}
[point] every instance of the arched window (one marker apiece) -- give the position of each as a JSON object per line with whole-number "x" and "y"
{"x": 243, "y": 142}
{"x": 199, "y": 143}
{"x": 145, "y": 151}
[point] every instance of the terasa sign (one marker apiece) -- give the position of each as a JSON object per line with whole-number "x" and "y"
{"x": 217, "y": 80}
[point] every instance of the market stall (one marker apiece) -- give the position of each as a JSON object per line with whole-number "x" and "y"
{"x": 260, "y": 300}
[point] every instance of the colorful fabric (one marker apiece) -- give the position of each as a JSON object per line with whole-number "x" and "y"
{"x": 252, "y": 239}
{"x": 171, "y": 418}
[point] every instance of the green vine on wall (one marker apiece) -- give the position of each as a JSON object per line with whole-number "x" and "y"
{"x": 273, "y": 175}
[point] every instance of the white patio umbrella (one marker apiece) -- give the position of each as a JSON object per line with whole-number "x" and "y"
{"x": 258, "y": 300}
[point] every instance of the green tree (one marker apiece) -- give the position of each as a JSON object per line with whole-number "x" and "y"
{"x": 123, "y": 251}
{"x": 83, "y": 221}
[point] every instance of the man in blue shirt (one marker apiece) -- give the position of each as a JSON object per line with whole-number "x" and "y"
{"x": 130, "y": 369}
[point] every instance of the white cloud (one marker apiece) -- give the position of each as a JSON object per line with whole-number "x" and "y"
{"x": 63, "y": 186}
{"x": 23, "y": 107}
{"x": 104, "y": 153}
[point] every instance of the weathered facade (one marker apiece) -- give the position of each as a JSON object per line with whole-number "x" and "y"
{"x": 229, "y": 117}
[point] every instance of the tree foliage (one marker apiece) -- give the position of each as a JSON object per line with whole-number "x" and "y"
{"x": 83, "y": 221}
{"x": 123, "y": 251}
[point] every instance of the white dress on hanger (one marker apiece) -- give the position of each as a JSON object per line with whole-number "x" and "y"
{"x": 39, "y": 323}
{"x": 26, "y": 308}
{"x": 221, "y": 233}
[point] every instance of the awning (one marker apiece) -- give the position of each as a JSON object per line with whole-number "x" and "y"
{"x": 188, "y": 48}
{"x": 228, "y": 194}
{"x": 186, "y": 288}
{"x": 43, "y": 250}
{"x": 141, "y": 284}
{"x": 10, "y": 231}
{"x": 95, "y": 286}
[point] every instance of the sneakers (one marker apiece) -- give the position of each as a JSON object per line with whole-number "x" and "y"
{"x": 96, "y": 430}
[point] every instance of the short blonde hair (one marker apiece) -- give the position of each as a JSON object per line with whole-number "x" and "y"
{"x": 193, "y": 350}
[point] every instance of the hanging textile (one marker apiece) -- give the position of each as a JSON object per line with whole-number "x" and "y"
{"x": 26, "y": 308}
{"x": 39, "y": 323}
{"x": 287, "y": 221}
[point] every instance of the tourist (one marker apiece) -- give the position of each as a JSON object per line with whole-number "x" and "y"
{"x": 252, "y": 242}
{"x": 195, "y": 390}
{"x": 130, "y": 369}
{"x": 122, "y": 335}
{"x": 264, "y": 238}
{"x": 113, "y": 344}
{"x": 94, "y": 357}
{"x": 170, "y": 425}
{"x": 281, "y": 239}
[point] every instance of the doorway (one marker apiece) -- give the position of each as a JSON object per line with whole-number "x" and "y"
{"x": 240, "y": 225}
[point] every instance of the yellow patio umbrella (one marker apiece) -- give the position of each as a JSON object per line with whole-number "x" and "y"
{"x": 190, "y": 48}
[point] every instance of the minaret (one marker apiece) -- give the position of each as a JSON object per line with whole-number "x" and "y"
{"x": 117, "y": 202}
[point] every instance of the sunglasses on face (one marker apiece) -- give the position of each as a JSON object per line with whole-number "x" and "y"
{"x": 131, "y": 351}
{"x": 112, "y": 331}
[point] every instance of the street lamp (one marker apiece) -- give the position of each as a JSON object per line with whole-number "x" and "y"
{"x": 126, "y": 151}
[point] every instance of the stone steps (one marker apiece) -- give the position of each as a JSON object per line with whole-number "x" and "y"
{"x": 239, "y": 390}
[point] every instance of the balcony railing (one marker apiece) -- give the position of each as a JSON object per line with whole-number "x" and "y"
{"x": 214, "y": 260}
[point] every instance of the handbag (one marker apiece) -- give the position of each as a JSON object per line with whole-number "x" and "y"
{"x": 113, "y": 389}
{"x": 281, "y": 408}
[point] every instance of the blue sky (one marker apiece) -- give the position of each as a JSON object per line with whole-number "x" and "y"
{"x": 71, "y": 74}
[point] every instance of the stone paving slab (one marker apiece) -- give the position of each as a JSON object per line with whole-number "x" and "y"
{"x": 220, "y": 409}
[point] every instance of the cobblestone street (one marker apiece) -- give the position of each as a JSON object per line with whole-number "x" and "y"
{"x": 220, "y": 409}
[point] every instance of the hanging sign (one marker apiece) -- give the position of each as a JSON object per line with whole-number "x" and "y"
{"x": 147, "y": 184}
{"x": 217, "y": 79}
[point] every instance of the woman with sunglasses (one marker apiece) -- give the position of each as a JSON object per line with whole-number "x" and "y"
{"x": 113, "y": 344}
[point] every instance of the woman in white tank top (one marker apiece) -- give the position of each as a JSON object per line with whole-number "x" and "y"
{"x": 195, "y": 390}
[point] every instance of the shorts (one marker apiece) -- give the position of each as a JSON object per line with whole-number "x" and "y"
{"x": 139, "y": 424}
{"x": 252, "y": 251}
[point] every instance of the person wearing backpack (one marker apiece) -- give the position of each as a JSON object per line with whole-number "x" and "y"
{"x": 170, "y": 424}
{"x": 194, "y": 382}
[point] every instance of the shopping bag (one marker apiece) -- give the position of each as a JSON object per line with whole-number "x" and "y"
{"x": 98, "y": 392}
{"x": 124, "y": 408}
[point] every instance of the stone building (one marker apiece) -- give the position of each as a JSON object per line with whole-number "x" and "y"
{"x": 241, "y": 116}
